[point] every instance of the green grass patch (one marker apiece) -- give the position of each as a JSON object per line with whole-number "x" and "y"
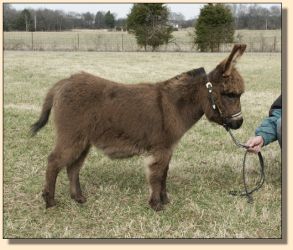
{"x": 205, "y": 166}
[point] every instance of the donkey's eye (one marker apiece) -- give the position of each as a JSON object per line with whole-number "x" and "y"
{"x": 231, "y": 95}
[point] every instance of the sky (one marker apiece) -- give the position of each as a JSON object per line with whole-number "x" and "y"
{"x": 121, "y": 10}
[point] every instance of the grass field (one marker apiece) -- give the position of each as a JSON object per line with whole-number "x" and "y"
{"x": 102, "y": 40}
{"x": 205, "y": 166}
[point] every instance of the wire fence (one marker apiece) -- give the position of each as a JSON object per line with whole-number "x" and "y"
{"x": 122, "y": 42}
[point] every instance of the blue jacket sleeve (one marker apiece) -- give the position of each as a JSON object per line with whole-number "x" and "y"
{"x": 268, "y": 127}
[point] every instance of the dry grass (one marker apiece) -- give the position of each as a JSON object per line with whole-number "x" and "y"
{"x": 101, "y": 40}
{"x": 204, "y": 168}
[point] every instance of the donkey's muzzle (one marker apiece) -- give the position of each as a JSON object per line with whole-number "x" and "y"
{"x": 235, "y": 121}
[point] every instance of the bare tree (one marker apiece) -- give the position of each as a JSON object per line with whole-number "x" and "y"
{"x": 88, "y": 19}
{"x": 176, "y": 19}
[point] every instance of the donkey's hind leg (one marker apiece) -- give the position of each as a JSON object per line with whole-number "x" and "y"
{"x": 61, "y": 156}
{"x": 163, "y": 194}
{"x": 158, "y": 169}
{"x": 73, "y": 175}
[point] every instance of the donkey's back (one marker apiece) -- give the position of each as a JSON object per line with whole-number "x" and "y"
{"x": 121, "y": 119}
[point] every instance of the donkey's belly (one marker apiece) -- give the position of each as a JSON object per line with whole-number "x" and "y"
{"x": 115, "y": 153}
{"x": 119, "y": 148}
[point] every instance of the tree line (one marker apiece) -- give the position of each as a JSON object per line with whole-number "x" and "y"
{"x": 256, "y": 17}
{"x": 245, "y": 17}
{"x": 56, "y": 20}
{"x": 152, "y": 24}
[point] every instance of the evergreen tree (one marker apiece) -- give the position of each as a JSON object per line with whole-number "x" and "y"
{"x": 9, "y": 17}
{"x": 215, "y": 25}
{"x": 149, "y": 23}
{"x": 109, "y": 20}
{"x": 24, "y": 21}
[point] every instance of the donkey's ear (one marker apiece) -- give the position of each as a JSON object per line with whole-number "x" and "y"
{"x": 230, "y": 62}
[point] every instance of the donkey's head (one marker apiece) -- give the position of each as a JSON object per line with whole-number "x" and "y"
{"x": 222, "y": 94}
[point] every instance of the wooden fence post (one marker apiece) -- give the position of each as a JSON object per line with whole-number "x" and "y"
{"x": 78, "y": 41}
{"x": 32, "y": 40}
{"x": 122, "y": 42}
{"x": 275, "y": 44}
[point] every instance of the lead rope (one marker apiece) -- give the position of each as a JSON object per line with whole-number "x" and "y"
{"x": 261, "y": 180}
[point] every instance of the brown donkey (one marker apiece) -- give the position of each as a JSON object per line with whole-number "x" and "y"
{"x": 125, "y": 120}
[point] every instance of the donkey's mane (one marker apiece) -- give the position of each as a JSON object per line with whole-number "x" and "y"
{"x": 199, "y": 72}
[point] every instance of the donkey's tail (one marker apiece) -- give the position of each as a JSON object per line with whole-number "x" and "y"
{"x": 46, "y": 110}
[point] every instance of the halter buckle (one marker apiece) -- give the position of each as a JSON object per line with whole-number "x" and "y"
{"x": 209, "y": 85}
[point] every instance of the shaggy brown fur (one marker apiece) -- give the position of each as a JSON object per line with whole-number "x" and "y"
{"x": 125, "y": 120}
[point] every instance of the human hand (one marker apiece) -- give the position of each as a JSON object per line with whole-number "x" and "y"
{"x": 254, "y": 144}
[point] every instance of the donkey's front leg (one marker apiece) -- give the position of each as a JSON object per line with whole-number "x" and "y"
{"x": 158, "y": 169}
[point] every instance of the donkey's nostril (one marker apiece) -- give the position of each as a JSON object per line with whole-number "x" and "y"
{"x": 234, "y": 123}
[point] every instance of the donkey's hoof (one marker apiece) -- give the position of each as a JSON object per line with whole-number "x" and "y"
{"x": 165, "y": 199}
{"x": 156, "y": 205}
{"x": 79, "y": 198}
{"x": 50, "y": 202}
